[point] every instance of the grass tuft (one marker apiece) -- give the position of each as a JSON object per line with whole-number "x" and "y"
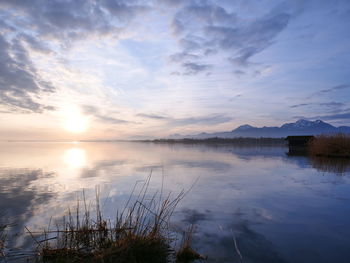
{"x": 135, "y": 248}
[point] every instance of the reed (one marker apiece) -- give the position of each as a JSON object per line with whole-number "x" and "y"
{"x": 330, "y": 146}
{"x": 140, "y": 233}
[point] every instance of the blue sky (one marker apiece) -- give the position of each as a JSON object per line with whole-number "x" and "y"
{"x": 122, "y": 69}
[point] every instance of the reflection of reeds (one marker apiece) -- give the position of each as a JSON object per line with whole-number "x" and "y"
{"x": 140, "y": 233}
{"x": 331, "y": 146}
{"x": 333, "y": 165}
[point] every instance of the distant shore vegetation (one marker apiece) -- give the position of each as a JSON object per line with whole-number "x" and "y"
{"x": 239, "y": 141}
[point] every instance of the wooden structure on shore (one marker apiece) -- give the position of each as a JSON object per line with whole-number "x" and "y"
{"x": 298, "y": 145}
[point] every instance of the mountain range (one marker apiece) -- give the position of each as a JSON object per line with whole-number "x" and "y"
{"x": 300, "y": 127}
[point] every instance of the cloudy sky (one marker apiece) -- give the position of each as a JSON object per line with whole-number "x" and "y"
{"x": 95, "y": 69}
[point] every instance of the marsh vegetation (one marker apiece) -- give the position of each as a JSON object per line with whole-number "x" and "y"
{"x": 330, "y": 146}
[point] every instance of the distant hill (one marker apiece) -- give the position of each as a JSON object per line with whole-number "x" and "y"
{"x": 300, "y": 127}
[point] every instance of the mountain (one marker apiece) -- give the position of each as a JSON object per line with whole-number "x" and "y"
{"x": 300, "y": 127}
{"x": 308, "y": 125}
{"x": 244, "y": 128}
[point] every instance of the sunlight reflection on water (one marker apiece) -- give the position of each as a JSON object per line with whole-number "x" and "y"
{"x": 75, "y": 157}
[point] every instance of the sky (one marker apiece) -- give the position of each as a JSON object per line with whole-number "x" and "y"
{"x": 128, "y": 69}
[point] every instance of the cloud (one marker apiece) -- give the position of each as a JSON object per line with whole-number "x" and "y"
{"x": 181, "y": 56}
{"x": 235, "y": 97}
{"x": 210, "y": 51}
{"x": 203, "y": 13}
{"x": 152, "y": 116}
{"x": 93, "y": 111}
{"x": 177, "y": 26}
{"x": 191, "y": 43}
{"x": 110, "y": 120}
{"x": 338, "y": 116}
{"x": 329, "y": 90}
{"x": 204, "y": 26}
{"x": 300, "y": 105}
{"x": 75, "y": 19}
{"x": 45, "y": 26}
{"x": 124, "y": 10}
{"x": 250, "y": 39}
{"x": 239, "y": 72}
{"x": 336, "y": 88}
{"x": 19, "y": 82}
{"x": 205, "y": 120}
{"x": 331, "y": 104}
{"x": 192, "y": 68}
{"x": 35, "y": 43}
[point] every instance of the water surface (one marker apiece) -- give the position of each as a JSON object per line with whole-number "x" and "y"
{"x": 279, "y": 208}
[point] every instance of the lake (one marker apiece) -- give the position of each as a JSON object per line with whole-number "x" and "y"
{"x": 278, "y": 208}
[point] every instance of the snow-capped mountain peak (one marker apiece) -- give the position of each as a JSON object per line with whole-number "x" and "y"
{"x": 303, "y": 123}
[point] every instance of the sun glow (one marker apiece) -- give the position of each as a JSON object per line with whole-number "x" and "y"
{"x": 75, "y": 121}
{"x": 75, "y": 157}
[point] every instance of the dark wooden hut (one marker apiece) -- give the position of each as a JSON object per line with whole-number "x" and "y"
{"x": 298, "y": 145}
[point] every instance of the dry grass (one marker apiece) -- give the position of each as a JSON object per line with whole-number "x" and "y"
{"x": 330, "y": 146}
{"x": 140, "y": 233}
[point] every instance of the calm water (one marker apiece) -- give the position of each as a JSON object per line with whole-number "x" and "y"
{"x": 279, "y": 208}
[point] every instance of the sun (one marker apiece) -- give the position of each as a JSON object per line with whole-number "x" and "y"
{"x": 74, "y": 121}
{"x": 76, "y": 124}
